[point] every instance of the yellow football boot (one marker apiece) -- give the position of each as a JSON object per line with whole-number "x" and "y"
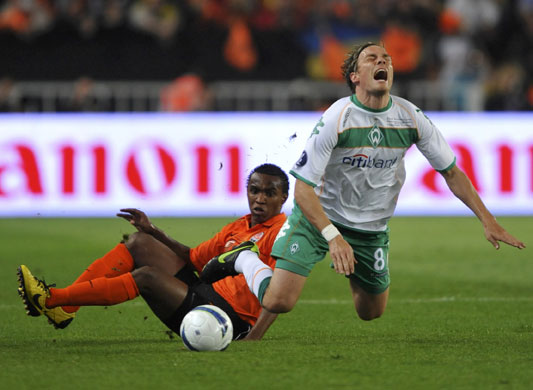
{"x": 34, "y": 292}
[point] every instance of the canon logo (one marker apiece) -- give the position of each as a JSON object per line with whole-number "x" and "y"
{"x": 196, "y": 165}
{"x": 149, "y": 169}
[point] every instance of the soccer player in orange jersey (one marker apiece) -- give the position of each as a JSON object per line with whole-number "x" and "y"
{"x": 162, "y": 270}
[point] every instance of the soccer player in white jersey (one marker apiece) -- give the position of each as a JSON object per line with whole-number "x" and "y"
{"x": 348, "y": 180}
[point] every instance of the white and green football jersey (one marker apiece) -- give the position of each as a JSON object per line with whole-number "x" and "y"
{"x": 354, "y": 159}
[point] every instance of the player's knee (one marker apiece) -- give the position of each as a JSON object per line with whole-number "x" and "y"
{"x": 137, "y": 240}
{"x": 278, "y": 304}
{"x": 368, "y": 314}
{"x": 145, "y": 278}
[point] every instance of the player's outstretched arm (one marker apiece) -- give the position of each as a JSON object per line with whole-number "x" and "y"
{"x": 264, "y": 321}
{"x": 462, "y": 188}
{"x": 142, "y": 223}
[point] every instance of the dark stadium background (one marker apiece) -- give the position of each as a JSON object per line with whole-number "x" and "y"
{"x": 81, "y": 55}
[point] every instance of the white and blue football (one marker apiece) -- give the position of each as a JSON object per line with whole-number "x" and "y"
{"x": 206, "y": 328}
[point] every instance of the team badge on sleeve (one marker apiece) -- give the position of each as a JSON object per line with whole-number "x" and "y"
{"x": 303, "y": 160}
{"x": 257, "y": 237}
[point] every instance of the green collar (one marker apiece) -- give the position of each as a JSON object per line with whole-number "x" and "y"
{"x": 356, "y": 101}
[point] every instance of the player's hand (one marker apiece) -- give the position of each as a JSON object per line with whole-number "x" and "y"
{"x": 138, "y": 219}
{"x": 495, "y": 233}
{"x": 342, "y": 255}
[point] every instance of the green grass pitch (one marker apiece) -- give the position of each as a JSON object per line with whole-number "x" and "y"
{"x": 460, "y": 316}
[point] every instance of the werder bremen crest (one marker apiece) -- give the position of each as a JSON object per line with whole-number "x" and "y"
{"x": 375, "y": 136}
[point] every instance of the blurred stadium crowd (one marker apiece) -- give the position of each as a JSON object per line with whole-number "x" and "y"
{"x": 183, "y": 47}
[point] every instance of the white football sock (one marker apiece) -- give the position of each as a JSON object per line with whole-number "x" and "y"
{"x": 253, "y": 269}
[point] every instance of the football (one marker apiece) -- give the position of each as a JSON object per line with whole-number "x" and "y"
{"x": 206, "y": 328}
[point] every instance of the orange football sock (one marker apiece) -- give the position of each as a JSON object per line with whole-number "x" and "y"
{"x": 114, "y": 263}
{"x": 97, "y": 292}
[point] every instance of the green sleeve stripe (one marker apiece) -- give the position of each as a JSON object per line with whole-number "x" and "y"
{"x": 302, "y": 179}
{"x": 449, "y": 167}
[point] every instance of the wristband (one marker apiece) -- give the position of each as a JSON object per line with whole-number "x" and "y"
{"x": 330, "y": 232}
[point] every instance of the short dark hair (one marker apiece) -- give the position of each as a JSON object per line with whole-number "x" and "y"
{"x": 272, "y": 170}
{"x": 350, "y": 63}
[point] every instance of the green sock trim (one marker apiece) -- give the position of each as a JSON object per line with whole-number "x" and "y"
{"x": 262, "y": 288}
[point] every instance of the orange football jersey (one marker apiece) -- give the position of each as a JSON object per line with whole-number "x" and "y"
{"x": 234, "y": 289}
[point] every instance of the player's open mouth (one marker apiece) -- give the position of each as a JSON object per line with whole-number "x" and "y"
{"x": 380, "y": 74}
{"x": 259, "y": 210}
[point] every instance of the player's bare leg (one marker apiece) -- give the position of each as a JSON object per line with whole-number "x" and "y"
{"x": 283, "y": 291}
{"x": 161, "y": 291}
{"x": 148, "y": 251}
{"x": 368, "y": 306}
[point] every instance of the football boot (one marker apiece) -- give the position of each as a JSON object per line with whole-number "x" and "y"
{"x": 223, "y": 265}
{"x": 34, "y": 292}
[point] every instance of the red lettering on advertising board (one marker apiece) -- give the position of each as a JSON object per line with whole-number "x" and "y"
{"x": 203, "y": 162}
{"x": 67, "y": 155}
{"x": 134, "y": 176}
{"x": 100, "y": 169}
{"x": 202, "y": 169}
{"x": 429, "y": 180}
{"x": 167, "y": 164}
{"x": 68, "y": 161}
{"x": 464, "y": 160}
{"x": 234, "y": 179}
{"x": 506, "y": 168}
{"x": 30, "y": 168}
{"x": 27, "y": 165}
{"x": 531, "y": 168}
{"x": 3, "y": 169}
